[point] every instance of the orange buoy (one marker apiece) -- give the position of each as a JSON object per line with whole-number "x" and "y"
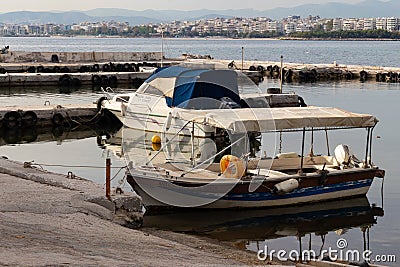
{"x": 232, "y": 167}
{"x": 156, "y": 146}
{"x": 156, "y": 139}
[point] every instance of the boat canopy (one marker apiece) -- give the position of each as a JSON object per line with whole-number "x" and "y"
{"x": 277, "y": 119}
{"x": 183, "y": 86}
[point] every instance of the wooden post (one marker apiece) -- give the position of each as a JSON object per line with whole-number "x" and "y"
{"x": 108, "y": 178}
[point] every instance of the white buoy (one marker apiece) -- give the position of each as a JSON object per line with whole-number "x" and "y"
{"x": 286, "y": 186}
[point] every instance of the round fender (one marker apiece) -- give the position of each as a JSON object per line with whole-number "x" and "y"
{"x": 12, "y": 119}
{"x": 29, "y": 119}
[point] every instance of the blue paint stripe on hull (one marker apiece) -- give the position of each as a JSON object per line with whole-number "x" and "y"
{"x": 304, "y": 192}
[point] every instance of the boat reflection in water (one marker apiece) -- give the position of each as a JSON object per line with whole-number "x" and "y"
{"x": 249, "y": 228}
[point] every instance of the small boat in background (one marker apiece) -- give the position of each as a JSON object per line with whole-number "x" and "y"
{"x": 188, "y": 87}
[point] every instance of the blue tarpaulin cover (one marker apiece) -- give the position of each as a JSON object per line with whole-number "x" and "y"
{"x": 194, "y": 86}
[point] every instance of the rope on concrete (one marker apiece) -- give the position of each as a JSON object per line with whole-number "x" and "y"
{"x": 31, "y": 164}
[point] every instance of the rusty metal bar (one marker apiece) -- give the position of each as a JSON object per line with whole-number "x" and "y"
{"x": 108, "y": 178}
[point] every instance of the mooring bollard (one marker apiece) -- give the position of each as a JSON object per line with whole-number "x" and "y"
{"x": 108, "y": 178}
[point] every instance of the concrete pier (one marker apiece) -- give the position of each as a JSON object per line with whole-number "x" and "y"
{"x": 47, "y": 219}
{"x": 46, "y": 115}
{"x": 73, "y": 57}
{"x": 301, "y": 72}
{"x": 71, "y": 79}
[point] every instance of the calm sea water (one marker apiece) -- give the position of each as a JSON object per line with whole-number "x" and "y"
{"x": 379, "y": 99}
{"x": 369, "y": 53}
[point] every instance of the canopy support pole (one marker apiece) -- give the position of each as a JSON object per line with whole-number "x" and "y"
{"x": 370, "y": 146}
{"x": 192, "y": 141}
{"x": 327, "y": 142}
{"x": 312, "y": 143}
{"x": 302, "y": 151}
{"x": 367, "y": 148}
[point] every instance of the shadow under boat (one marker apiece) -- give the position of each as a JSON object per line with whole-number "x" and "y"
{"x": 262, "y": 224}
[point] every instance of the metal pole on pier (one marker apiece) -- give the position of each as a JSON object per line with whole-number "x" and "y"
{"x": 162, "y": 47}
{"x": 281, "y": 74}
{"x": 108, "y": 178}
{"x": 242, "y": 58}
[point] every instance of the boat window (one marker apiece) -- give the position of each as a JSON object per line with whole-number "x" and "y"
{"x": 142, "y": 88}
{"x": 152, "y": 90}
{"x": 123, "y": 99}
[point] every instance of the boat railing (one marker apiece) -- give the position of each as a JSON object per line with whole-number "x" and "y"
{"x": 108, "y": 92}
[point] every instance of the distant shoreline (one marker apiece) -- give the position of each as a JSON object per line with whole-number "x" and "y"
{"x": 336, "y": 39}
{"x": 222, "y": 38}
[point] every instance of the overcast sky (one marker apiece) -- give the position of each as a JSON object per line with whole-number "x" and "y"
{"x": 45, "y": 5}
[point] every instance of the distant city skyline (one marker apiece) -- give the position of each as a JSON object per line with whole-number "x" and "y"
{"x": 51, "y": 5}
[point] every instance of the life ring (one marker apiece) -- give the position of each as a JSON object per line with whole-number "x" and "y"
{"x": 58, "y": 119}
{"x": 65, "y": 80}
{"x": 57, "y": 131}
{"x": 56, "y": 69}
{"x": 29, "y": 119}
{"x": 83, "y": 69}
{"x": 96, "y": 68}
{"x": 40, "y": 69}
{"x": 127, "y": 67}
{"x": 288, "y": 75}
{"x": 75, "y": 82}
{"x": 64, "y": 70}
{"x": 349, "y": 75}
{"x": 113, "y": 80}
{"x": 232, "y": 167}
{"x": 134, "y": 67}
{"x": 29, "y": 135}
{"x": 96, "y": 80}
{"x": 104, "y": 80}
{"x": 32, "y": 69}
{"x": 12, "y": 119}
{"x": 260, "y": 69}
{"x": 363, "y": 75}
{"x": 275, "y": 68}
{"x": 106, "y": 67}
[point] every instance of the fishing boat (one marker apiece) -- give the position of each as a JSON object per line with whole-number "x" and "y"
{"x": 191, "y": 86}
{"x": 234, "y": 178}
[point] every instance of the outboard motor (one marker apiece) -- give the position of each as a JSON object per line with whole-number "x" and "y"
{"x": 228, "y": 103}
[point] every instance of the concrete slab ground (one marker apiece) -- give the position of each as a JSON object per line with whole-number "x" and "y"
{"x": 49, "y": 220}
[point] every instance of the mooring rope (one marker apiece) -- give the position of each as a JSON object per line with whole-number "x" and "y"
{"x": 30, "y": 164}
